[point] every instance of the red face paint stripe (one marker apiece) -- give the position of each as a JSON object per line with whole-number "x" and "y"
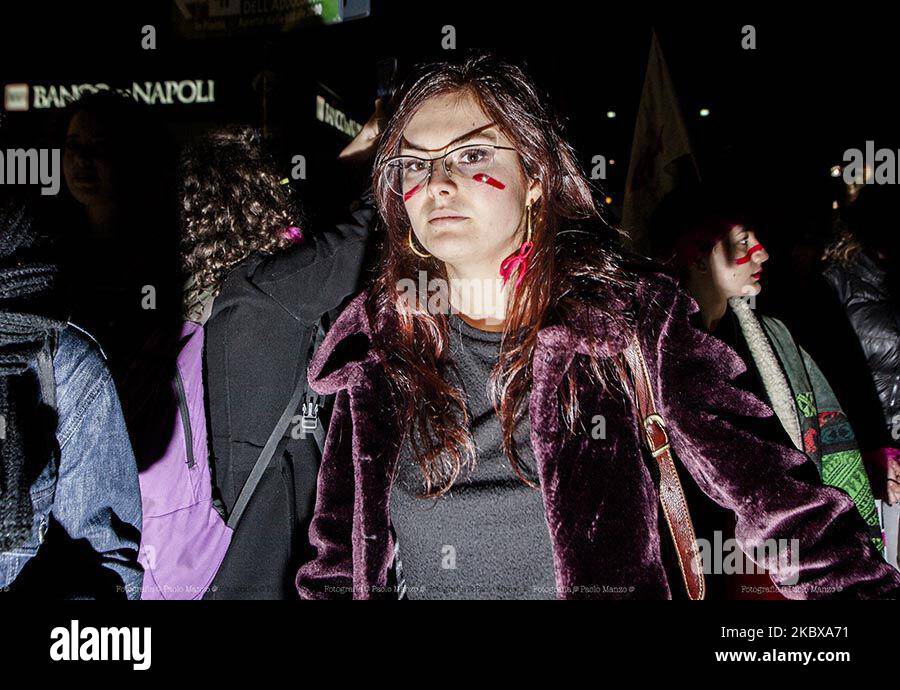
{"x": 746, "y": 259}
{"x": 408, "y": 195}
{"x": 487, "y": 179}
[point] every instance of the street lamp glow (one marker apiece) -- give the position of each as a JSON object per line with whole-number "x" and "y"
{"x": 611, "y": 114}
{"x": 704, "y": 112}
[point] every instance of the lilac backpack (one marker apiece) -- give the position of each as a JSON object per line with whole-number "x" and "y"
{"x": 184, "y": 537}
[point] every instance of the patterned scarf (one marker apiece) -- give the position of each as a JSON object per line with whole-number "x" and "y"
{"x": 808, "y": 410}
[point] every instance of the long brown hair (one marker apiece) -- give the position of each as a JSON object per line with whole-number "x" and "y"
{"x": 573, "y": 260}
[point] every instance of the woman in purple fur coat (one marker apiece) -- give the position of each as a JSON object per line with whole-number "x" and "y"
{"x": 485, "y": 441}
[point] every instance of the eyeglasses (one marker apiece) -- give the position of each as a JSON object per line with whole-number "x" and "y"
{"x": 406, "y": 175}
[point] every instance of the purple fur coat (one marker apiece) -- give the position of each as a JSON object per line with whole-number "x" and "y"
{"x": 600, "y": 499}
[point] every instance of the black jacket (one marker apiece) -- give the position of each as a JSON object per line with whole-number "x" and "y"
{"x": 872, "y": 305}
{"x": 257, "y": 341}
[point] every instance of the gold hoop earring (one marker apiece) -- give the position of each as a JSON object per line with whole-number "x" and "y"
{"x": 415, "y": 251}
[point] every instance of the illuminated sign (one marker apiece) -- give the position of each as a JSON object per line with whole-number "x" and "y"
{"x": 212, "y": 18}
{"x": 169, "y": 92}
{"x": 337, "y": 118}
{"x": 15, "y": 97}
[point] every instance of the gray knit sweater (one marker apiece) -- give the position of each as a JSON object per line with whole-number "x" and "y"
{"x": 488, "y": 537}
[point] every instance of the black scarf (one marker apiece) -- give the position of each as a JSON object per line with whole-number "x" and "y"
{"x": 24, "y": 286}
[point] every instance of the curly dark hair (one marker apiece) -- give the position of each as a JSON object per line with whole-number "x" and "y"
{"x": 233, "y": 202}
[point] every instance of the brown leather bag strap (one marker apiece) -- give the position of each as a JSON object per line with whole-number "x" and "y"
{"x": 671, "y": 493}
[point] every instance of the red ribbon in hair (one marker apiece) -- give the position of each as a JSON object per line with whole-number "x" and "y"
{"x": 516, "y": 261}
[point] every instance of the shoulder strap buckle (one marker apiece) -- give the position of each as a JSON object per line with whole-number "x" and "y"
{"x": 310, "y": 419}
{"x": 657, "y": 437}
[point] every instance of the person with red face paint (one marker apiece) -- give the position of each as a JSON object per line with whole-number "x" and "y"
{"x": 720, "y": 261}
{"x": 496, "y": 382}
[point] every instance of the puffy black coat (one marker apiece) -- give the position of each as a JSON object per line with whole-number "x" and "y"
{"x": 256, "y": 349}
{"x": 872, "y": 304}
